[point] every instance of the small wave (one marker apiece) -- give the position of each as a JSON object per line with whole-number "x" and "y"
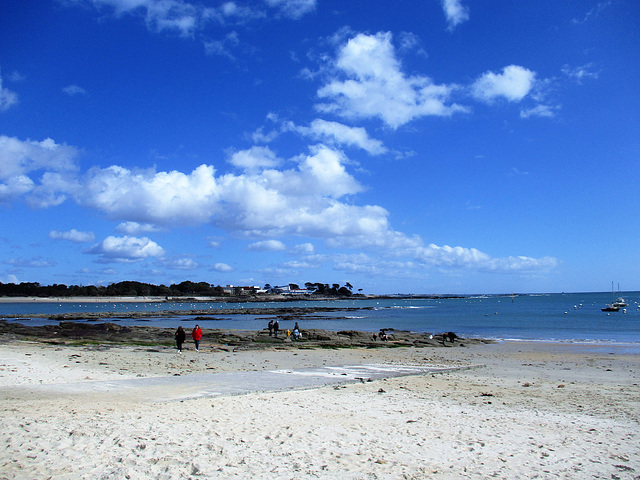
{"x": 575, "y": 341}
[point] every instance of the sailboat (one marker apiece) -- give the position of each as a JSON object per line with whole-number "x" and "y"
{"x": 612, "y": 306}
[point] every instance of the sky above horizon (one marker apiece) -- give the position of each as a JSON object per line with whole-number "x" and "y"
{"x": 454, "y": 146}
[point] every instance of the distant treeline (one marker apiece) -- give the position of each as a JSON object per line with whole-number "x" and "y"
{"x": 139, "y": 289}
{"x": 120, "y": 289}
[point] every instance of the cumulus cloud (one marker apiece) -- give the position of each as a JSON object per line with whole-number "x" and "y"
{"x": 19, "y": 160}
{"x": 310, "y": 199}
{"x": 255, "y": 158}
{"x": 72, "y": 235}
{"x": 222, "y": 268}
{"x": 267, "y": 246}
{"x": 152, "y": 197}
{"x": 14, "y": 187}
{"x": 471, "y": 258}
{"x": 374, "y": 85}
{"x": 19, "y": 157}
{"x": 455, "y": 12}
{"x": 513, "y": 84}
{"x": 126, "y": 249}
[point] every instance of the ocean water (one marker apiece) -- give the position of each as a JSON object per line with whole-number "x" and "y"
{"x": 572, "y": 317}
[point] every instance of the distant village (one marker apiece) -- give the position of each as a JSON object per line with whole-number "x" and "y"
{"x": 292, "y": 289}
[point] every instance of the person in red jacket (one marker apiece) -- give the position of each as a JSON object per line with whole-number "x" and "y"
{"x": 196, "y": 334}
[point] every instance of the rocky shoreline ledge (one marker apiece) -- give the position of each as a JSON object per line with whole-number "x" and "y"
{"x": 82, "y": 333}
{"x": 283, "y": 313}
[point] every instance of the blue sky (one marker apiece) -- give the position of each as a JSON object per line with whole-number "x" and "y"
{"x": 430, "y": 146}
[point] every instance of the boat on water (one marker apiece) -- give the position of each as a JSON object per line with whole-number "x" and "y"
{"x": 620, "y": 303}
{"x": 612, "y": 307}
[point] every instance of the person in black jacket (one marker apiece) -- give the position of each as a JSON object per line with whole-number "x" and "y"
{"x": 181, "y": 336}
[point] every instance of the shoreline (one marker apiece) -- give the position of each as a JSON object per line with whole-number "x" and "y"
{"x": 527, "y": 409}
{"x": 262, "y": 298}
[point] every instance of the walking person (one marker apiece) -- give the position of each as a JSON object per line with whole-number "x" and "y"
{"x": 276, "y": 327}
{"x": 196, "y": 334}
{"x": 270, "y": 328}
{"x": 296, "y": 332}
{"x": 181, "y": 336}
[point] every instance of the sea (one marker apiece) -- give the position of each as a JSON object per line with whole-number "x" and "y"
{"x": 556, "y": 317}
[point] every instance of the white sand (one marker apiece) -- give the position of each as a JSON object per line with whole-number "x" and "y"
{"x": 534, "y": 411}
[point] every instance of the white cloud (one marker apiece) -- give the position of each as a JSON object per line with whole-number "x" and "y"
{"x": 471, "y": 258}
{"x": 73, "y": 90}
{"x": 187, "y": 18}
{"x": 182, "y": 263}
{"x": 127, "y": 249}
{"x": 267, "y": 246}
{"x": 7, "y": 97}
{"x": 375, "y": 86}
{"x": 9, "y": 279}
{"x": 303, "y": 249}
{"x": 339, "y": 134}
{"x": 286, "y": 201}
{"x": 255, "y": 158}
{"x": 14, "y": 187}
{"x": 592, "y": 13}
{"x": 223, "y": 47}
{"x": 222, "y": 267}
{"x": 513, "y": 84}
{"x": 19, "y": 157}
{"x": 54, "y": 188}
{"x": 455, "y": 12}
{"x": 214, "y": 242}
{"x": 293, "y": 8}
{"x": 297, "y": 264}
{"x": 135, "y": 228}
{"x": 580, "y": 73}
{"x": 36, "y": 262}
{"x": 160, "y": 15}
{"x": 232, "y": 12}
{"x": 307, "y": 200}
{"x": 539, "y": 111}
{"x": 72, "y": 235}
{"x": 150, "y": 197}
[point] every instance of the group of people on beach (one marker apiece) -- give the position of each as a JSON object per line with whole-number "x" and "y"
{"x": 181, "y": 336}
{"x": 274, "y": 328}
{"x": 196, "y": 334}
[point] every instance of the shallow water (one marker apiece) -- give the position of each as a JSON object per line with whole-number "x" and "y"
{"x": 574, "y": 317}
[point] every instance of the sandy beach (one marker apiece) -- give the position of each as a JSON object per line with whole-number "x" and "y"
{"x": 522, "y": 410}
